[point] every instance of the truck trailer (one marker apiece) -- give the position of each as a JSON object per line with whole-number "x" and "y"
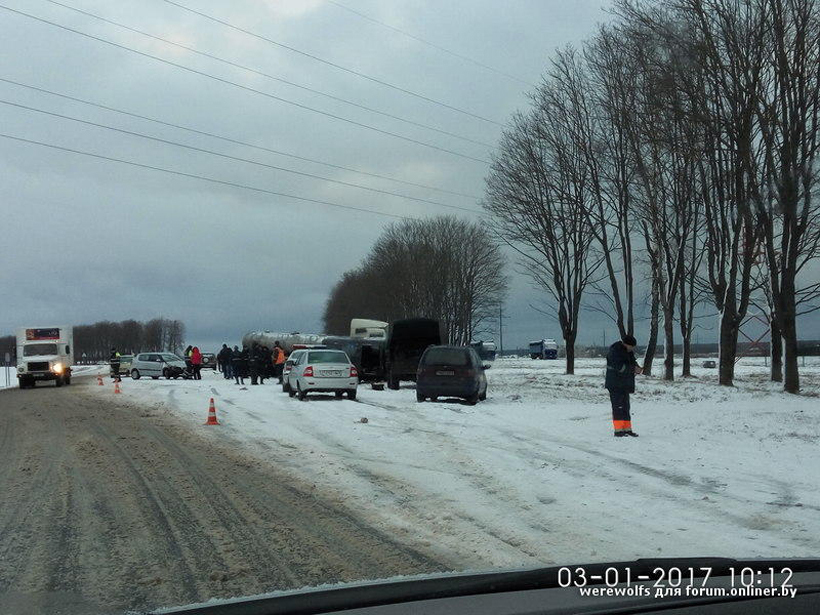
{"x": 44, "y": 353}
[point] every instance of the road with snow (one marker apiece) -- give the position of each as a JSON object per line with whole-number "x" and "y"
{"x": 112, "y": 504}
{"x": 534, "y": 475}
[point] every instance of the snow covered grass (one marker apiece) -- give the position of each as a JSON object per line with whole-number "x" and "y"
{"x": 533, "y": 475}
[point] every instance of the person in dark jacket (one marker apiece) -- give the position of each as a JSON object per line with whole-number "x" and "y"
{"x": 224, "y": 358}
{"x": 114, "y": 363}
{"x": 621, "y": 368}
{"x": 239, "y": 364}
{"x": 253, "y": 363}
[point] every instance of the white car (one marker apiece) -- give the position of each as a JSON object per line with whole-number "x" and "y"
{"x": 323, "y": 371}
{"x": 288, "y": 365}
{"x": 156, "y": 364}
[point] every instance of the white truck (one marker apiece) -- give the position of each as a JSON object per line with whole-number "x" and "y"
{"x": 44, "y": 353}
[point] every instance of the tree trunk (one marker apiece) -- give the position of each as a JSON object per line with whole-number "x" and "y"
{"x": 776, "y": 351}
{"x": 687, "y": 355}
{"x": 570, "y": 345}
{"x": 669, "y": 345}
{"x": 652, "y": 342}
{"x": 727, "y": 348}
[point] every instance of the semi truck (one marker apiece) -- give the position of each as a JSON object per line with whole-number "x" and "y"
{"x": 544, "y": 349}
{"x": 44, "y": 353}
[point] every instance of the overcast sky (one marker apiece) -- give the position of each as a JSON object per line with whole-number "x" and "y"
{"x": 87, "y": 239}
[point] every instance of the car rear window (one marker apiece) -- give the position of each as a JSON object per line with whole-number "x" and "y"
{"x": 446, "y": 356}
{"x": 327, "y": 357}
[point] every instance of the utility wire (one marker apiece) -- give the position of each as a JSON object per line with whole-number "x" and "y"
{"x": 243, "y": 87}
{"x": 267, "y": 75}
{"x": 235, "y": 141}
{"x": 229, "y": 157}
{"x": 333, "y": 64}
{"x": 428, "y": 43}
{"x": 199, "y": 177}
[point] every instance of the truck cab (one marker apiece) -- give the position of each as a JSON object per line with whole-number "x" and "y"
{"x": 44, "y": 353}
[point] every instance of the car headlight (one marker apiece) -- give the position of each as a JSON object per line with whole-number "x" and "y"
{"x": 57, "y": 368}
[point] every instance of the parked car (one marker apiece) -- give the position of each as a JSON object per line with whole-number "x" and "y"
{"x": 323, "y": 371}
{"x": 125, "y": 364}
{"x": 156, "y": 364}
{"x": 292, "y": 358}
{"x": 451, "y": 371}
{"x": 208, "y": 360}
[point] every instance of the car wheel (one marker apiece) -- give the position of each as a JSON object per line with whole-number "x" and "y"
{"x": 434, "y": 398}
{"x": 285, "y": 387}
{"x": 135, "y": 374}
{"x": 483, "y": 396}
{"x": 58, "y": 381}
{"x": 351, "y": 394}
{"x": 392, "y": 383}
{"x": 67, "y": 379}
{"x": 302, "y": 395}
{"x": 420, "y": 397}
{"x": 166, "y": 373}
{"x": 291, "y": 392}
{"x": 338, "y": 394}
{"x": 154, "y": 377}
{"x": 472, "y": 399}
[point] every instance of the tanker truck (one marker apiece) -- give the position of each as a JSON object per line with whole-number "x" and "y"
{"x": 286, "y": 340}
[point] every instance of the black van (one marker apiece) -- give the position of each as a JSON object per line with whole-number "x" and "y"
{"x": 451, "y": 371}
{"x": 406, "y": 341}
{"x": 367, "y": 354}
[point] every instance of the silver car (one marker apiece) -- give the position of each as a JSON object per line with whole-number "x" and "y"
{"x": 323, "y": 371}
{"x": 156, "y": 364}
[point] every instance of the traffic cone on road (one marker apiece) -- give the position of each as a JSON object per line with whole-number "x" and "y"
{"x": 212, "y": 414}
{"x": 99, "y": 380}
{"x": 117, "y": 386}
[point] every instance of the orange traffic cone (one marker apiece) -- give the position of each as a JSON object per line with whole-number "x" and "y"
{"x": 99, "y": 380}
{"x": 212, "y": 414}
{"x": 117, "y": 386}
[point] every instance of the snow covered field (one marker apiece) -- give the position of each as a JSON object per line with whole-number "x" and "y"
{"x": 534, "y": 475}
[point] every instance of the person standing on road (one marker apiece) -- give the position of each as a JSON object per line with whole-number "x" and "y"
{"x": 237, "y": 366}
{"x": 196, "y": 362}
{"x": 621, "y": 368}
{"x": 114, "y": 362}
{"x": 188, "y": 359}
{"x": 253, "y": 363}
{"x": 278, "y": 361}
{"x": 224, "y": 358}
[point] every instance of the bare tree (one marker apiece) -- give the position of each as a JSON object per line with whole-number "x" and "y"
{"x": 538, "y": 191}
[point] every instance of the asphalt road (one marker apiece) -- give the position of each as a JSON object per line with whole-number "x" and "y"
{"x": 108, "y": 506}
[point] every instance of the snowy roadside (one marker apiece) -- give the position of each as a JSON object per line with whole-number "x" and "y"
{"x": 534, "y": 475}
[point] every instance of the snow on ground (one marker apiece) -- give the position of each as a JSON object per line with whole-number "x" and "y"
{"x": 533, "y": 475}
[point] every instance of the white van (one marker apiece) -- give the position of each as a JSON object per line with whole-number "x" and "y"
{"x": 44, "y": 353}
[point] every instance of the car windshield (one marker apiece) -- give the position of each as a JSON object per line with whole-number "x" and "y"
{"x": 327, "y": 356}
{"x": 545, "y": 277}
{"x": 32, "y": 350}
{"x": 446, "y": 356}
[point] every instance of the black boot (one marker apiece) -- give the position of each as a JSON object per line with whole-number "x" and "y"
{"x": 631, "y": 433}
{"x": 619, "y": 434}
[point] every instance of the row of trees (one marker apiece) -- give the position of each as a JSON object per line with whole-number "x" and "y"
{"x": 94, "y": 342}
{"x": 678, "y": 144}
{"x": 443, "y": 268}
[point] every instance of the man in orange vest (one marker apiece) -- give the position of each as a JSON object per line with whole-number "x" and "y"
{"x": 278, "y": 361}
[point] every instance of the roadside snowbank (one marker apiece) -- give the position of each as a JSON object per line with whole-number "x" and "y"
{"x": 534, "y": 475}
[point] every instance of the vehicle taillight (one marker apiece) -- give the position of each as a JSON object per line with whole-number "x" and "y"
{"x": 308, "y": 371}
{"x": 354, "y": 373}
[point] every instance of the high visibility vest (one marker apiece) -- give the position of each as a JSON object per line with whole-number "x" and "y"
{"x": 280, "y": 356}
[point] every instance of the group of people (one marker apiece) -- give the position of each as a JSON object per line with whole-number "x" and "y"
{"x": 257, "y": 362}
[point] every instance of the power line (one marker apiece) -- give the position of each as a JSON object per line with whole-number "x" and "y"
{"x": 234, "y": 141}
{"x": 267, "y": 75}
{"x": 229, "y": 157}
{"x": 428, "y": 43}
{"x": 199, "y": 177}
{"x": 243, "y": 87}
{"x": 333, "y": 64}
